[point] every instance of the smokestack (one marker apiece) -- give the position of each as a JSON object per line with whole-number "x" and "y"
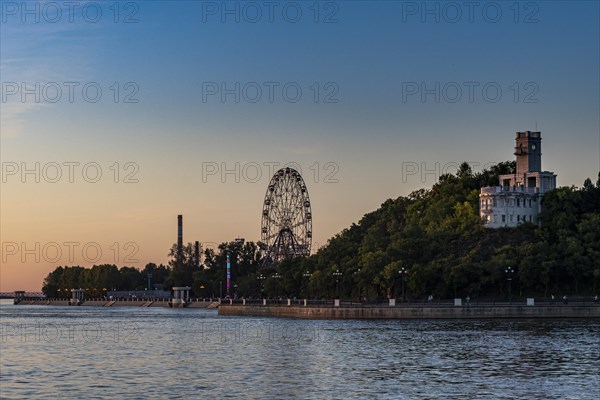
{"x": 197, "y": 253}
{"x": 180, "y": 237}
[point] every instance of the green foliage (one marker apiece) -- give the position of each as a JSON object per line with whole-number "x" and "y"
{"x": 99, "y": 279}
{"x": 210, "y": 279}
{"x": 438, "y": 237}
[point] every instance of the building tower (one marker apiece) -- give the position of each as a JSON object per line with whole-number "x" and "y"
{"x": 528, "y": 150}
{"x": 518, "y": 198}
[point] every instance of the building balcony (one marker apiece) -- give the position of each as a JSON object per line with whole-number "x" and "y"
{"x": 491, "y": 189}
{"x": 516, "y": 189}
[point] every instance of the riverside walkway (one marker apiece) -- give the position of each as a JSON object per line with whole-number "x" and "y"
{"x": 119, "y": 302}
{"x": 330, "y": 309}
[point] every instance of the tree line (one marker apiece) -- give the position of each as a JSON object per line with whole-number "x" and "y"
{"x": 431, "y": 242}
{"x": 100, "y": 279}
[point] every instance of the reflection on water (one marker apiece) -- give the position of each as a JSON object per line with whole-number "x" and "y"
{"x": 132, "y": 353}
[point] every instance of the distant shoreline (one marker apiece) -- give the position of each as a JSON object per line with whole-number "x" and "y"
{"x": 115, "y": 303}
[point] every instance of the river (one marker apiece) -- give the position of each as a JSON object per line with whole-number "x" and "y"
{"x": 156, "y": 353}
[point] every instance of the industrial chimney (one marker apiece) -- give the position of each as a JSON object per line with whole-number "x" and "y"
{"x": 197, "y": 254}
{"x": 180, "y": 237}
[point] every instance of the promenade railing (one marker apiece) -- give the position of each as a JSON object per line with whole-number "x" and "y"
{"x": 411, "y": 303}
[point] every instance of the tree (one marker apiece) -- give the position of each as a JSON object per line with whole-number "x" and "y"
{"x": 182, "y": 267}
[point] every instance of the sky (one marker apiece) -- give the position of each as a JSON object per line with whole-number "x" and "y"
{"x": 117, "y": 116}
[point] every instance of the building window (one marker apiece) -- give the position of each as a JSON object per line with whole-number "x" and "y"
{"x": 494, "y": 202}
{"x": 518, "y": 218}
{"x": 530, "y": 218}
{"x": 503, "y": 218}
{"x": 518, "y": 202}
{"x": 529, "y": 203}
{"x": 511, "y": 218}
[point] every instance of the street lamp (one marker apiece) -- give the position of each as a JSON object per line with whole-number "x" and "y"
{"x": 307, "y": 275}
{"x": 337, "y": 275}
{"x": 261, "y": 278}
{"x": 359, "y": 288}
{"x": 402, "y": 274}
{"x": 509, "y": 272}
{"x": 276, "y": 276}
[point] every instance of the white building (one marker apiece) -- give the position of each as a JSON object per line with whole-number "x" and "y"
{"x": 518, "y": 198}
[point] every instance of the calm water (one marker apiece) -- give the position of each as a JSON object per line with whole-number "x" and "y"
{"x": 135, "y": 353}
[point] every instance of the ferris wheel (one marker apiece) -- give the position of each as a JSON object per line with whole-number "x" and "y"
{"x": 286, "y": 217}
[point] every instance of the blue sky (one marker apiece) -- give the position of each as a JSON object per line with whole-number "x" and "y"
{"x": 366, "y": 61}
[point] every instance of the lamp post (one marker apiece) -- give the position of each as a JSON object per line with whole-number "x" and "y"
{"x": 359, "y": 288}
{"x": 509, "y": 272}
{"x": 337, "y": 275}
{"x": 307, "y": 275}
{"x": 277, "y": 277}
{"x": 402, "y": 274}
{"x": 261, "y": 278}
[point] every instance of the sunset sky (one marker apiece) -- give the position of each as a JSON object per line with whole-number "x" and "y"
{"x": 357, "y": 130}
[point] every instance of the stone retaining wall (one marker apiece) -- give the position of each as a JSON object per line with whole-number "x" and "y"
{"x": 412, "y": 312}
